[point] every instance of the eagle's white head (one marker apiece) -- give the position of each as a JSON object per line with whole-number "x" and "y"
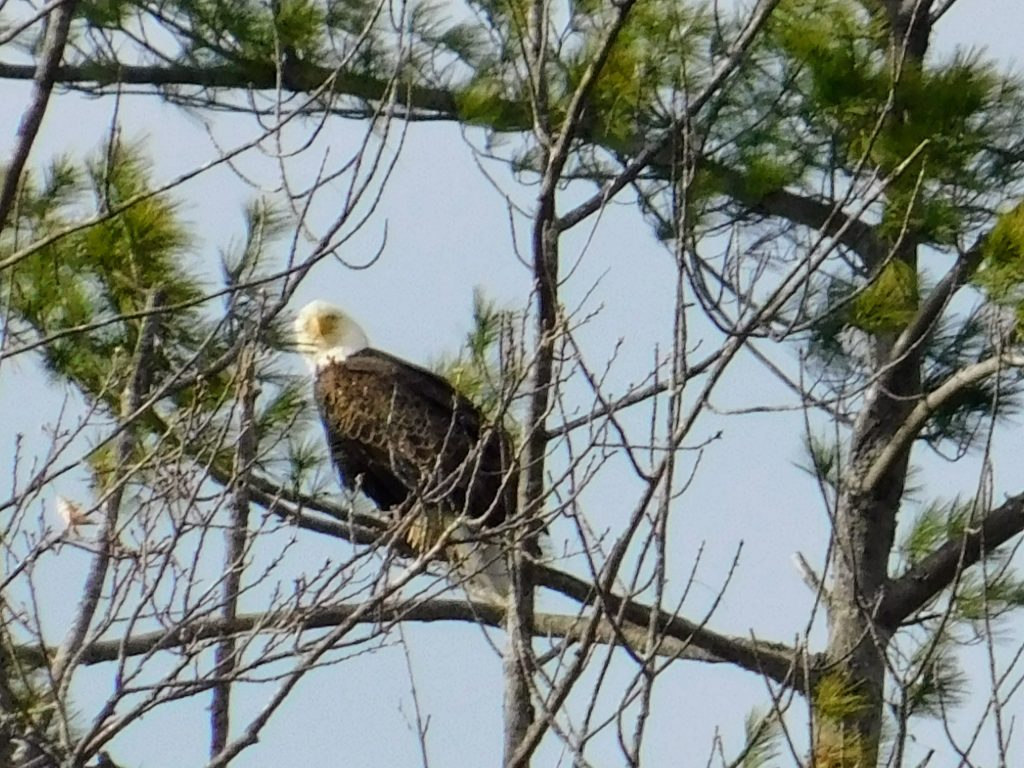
{"x": 325, "y": 334}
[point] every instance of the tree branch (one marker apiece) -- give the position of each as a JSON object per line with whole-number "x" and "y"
{"x": 778, "y": 662}
{"x": 653, "y": 148}
{"x": 928, "y": 315}
{"x": 919, "y": 416}
{"x": 633, "y": 398}
{"x": 917, "y": 586}
{"x": 251, "y": 76}
{"x": 44, "y": 74}
{"x": 685, "y": 641}
{"x": 443, "y": 103}
{"x": 132, "y": 398}
{"x": 856, "y": 234}
{"x": 236, "y": 545}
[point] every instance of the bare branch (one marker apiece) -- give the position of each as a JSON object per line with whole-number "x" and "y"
{"x": 131, "y": 399}
{"x": 931, "y": 309}
{"x": 45, "y": 73}
{"x": 681, "y": 644}
{"x": 237, "y": 545}
{"x": 856, "y": 234}
{"x": 776, "y": 661}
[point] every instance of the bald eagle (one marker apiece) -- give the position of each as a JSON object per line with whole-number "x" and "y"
{"x": 406, "y": 439}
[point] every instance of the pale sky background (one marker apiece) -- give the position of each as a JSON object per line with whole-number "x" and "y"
{"x": 448, "y": 231}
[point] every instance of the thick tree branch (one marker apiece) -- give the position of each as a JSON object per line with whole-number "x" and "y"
{"x": 918, "y": 417}
{"x": 820, "y": 215}
{"x": 682, "y": 643}
{"x": 439, "y": 103}
{"x": 779, "y": 662}
{"x": 443, "y": 104}
{"x": 252, "y": 76}
{"x": 910, "y": 21}
{"x": 573, "y": 123}
{"x": 915, "y": 588}
{"x": 343, "y": 522}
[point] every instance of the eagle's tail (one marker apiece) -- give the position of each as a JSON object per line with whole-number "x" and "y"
{"x": 481, "y": 566}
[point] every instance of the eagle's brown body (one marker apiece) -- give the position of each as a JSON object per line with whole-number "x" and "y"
{"x": 401, "y": 434}
{"x": 407, "y": 440}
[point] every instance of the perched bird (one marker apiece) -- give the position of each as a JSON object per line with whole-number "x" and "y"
{"x": 72, "y": 515}
{"x": 406, "y": 439}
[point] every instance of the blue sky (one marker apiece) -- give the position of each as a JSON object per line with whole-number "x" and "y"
{"x": 448, "y": 231}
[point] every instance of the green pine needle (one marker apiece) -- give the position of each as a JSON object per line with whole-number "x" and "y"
{"x": 763, "y": 731}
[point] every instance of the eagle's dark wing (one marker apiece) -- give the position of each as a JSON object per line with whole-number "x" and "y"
{"x": 396, "y": 429}
{"x": 436, "y": 391}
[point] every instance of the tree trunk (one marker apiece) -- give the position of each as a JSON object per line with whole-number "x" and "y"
{"x": 849, "y": 700}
